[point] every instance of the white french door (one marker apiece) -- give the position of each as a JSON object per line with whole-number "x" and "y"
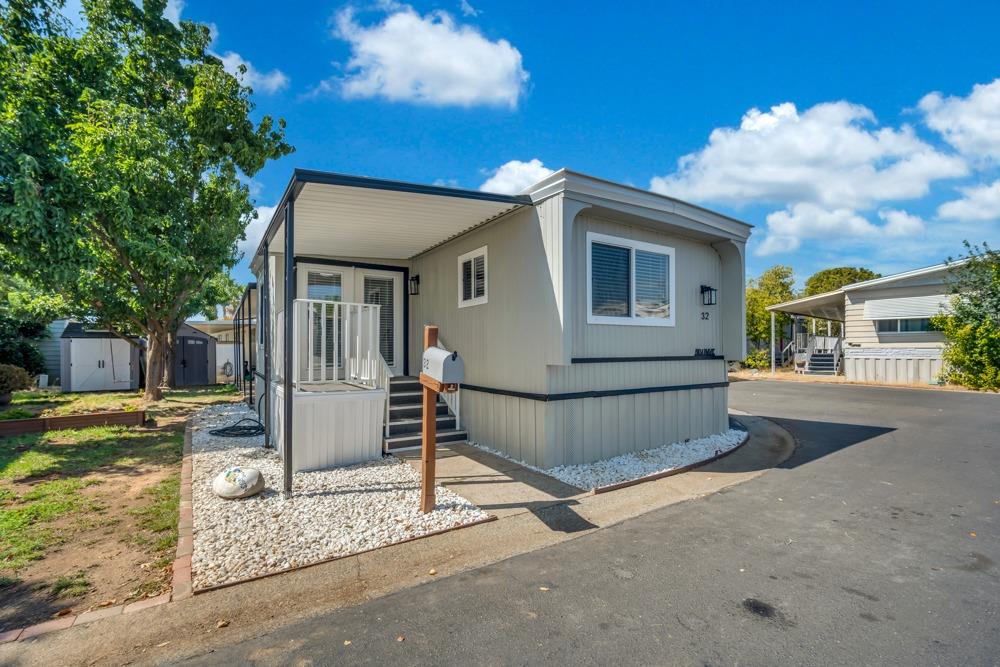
{"x": 358, "y": 285}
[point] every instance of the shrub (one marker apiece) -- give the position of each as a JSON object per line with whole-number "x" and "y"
{"x": 972, "y": 357}
{"x": 972, "y": 327}
{"x": 13, "y": 378}
{"x": 759, "y": 359}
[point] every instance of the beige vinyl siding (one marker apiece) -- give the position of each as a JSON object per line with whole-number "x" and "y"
{"x": 859, "y": 331}
{"x": 696, "y": 264}
{"x": 628, "y": 375}
{"x": 507, "y": 341}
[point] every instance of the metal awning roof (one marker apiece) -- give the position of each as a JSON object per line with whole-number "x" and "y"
{"x": 352, "y": 216}
{"x": 826, "y": 306}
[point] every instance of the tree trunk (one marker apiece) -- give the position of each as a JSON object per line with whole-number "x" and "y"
{"x": 168, "y": 356}
{"x": 154, "y": 368}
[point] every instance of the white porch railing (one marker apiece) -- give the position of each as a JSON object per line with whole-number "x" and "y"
{"x": 336, "y": 340}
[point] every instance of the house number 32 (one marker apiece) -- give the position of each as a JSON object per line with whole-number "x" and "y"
{"x": 704, "y": 315}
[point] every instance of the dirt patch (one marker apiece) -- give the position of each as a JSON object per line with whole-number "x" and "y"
{"x": 89, "y": 516}
{"x": 99, "y": 549}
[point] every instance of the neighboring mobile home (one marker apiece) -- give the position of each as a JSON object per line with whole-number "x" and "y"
{"x": 886, "y": 336}
{"x": 594, "y": 318}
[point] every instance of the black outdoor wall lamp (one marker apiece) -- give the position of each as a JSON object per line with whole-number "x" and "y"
{"x": 414, "y": 285}
{"x": 709, "y": 295}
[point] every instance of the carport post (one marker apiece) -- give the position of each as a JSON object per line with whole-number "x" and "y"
{"x": 264, "y": 320}
{"x": 773, "y": 351}
{"x": 289, "y": 339}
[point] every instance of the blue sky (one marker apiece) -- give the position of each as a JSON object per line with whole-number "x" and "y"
{"x": 848, "y": 133}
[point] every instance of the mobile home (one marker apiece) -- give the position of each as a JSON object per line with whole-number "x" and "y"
{"x": 593, "y": 318}
{"x": 885, "y": 335}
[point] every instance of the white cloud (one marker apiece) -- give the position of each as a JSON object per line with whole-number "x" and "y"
{"x": 514, "y": 176}
{"x": 255, "y": 230}
{"x": 788, "y": 228}
{"x": 901, "y": 223}
{"x": 832, "y": 154}
{"x": 979, "y": 203}
{"x": 426, "y": 59}
{"x": 265, "y": 82}
{"x": 467, "y": 9}
{"x": 173, "y": 10}
{"x": 970, "y": 124}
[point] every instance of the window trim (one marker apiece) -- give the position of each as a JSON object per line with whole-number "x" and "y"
{"x": 632, "y": 245}
{"x": 475, "y": 300}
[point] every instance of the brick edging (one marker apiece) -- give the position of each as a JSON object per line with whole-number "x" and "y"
{"x": 181, "y": 584}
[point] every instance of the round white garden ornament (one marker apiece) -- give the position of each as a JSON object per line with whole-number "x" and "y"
{"x": 238, "y": 482}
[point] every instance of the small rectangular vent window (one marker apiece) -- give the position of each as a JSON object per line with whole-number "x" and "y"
{"x": 473, "y": 275}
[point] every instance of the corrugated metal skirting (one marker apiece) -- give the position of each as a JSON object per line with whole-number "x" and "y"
{"x": 332, "y": 428}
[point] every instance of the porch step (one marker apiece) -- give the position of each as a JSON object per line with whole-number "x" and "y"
{"x": 407, "y": 397}
{"x": 445, "y": 422}
{"x": 412, "y": 410}
{"x": 414, "y": 439}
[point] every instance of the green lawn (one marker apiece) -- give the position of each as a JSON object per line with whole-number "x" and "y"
{"x": 50, "y": 403}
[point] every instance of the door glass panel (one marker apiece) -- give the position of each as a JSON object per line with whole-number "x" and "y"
{"x": 325, "y": 287}
{"x": 380, "y": 291}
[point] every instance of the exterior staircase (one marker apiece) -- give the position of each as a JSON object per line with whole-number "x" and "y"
{"x": 406, "y": 414}
{"x": 822, "y": 363}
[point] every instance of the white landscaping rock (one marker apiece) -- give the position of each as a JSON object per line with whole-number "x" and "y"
{"x": 634, "y": 465}
{"x": 331, "y": 512}
{"x": 238, "y": 482}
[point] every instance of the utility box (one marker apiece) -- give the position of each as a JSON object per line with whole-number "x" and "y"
{"x": 444, "y": 366}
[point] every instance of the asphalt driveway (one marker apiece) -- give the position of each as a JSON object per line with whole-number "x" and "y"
{"x": 876, "y": 543}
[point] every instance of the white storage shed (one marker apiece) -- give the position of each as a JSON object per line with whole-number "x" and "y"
{"x": 95, "y": 359}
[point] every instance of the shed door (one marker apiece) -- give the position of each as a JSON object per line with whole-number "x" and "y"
{"x": 118, "y": 364}
{"x": 89, "y": 371}
{"x": 194, "y": 360}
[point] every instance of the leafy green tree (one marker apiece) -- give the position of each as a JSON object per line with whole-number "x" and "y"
{"x": 972, "y": 355}
{"x": 121, "y": 155}
{"x": 829, "y": 280}
{"x": 773, "y": 286}
{"x": 25, "y": 313}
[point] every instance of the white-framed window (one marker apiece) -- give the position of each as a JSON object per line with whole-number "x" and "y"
{"x": 629, "y": 282}
{"x": 904, "y": 325}
{"x": 472, "y": 278}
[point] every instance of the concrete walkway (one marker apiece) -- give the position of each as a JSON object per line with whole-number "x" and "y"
{"x": 534, "y": 511}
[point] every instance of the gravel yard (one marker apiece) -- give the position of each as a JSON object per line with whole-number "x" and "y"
{"x": 332, "y": 512}
{"x": 631, "y": 466}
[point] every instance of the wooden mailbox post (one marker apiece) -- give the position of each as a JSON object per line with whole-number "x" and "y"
{"x": 432, "y": 387}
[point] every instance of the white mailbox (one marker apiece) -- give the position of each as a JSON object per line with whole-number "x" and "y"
{"x": 444, "y": 366}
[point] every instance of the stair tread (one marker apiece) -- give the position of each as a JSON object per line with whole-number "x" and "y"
{"x": 417, "y": 436}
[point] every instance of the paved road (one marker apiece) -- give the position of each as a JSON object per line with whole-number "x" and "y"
{"x": 876, "y": 543}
